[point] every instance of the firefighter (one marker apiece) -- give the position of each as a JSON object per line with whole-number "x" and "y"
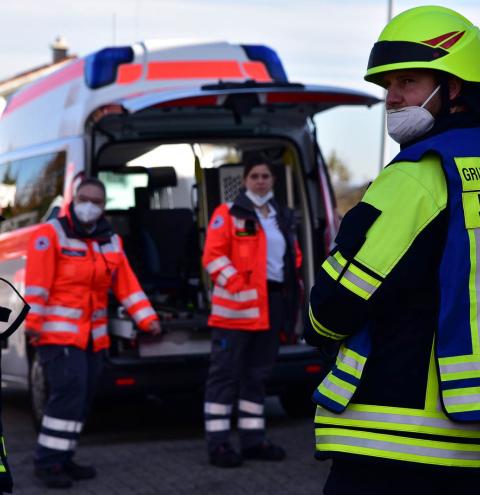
{"x": 11, "y": 317}
{"x": 72, "y": 263}
{"x": 399, "y": 411}
{"x": 252, "y": 256}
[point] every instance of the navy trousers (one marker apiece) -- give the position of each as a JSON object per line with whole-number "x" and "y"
{"x": 240, "y": 364}
{"x": 71, "y": 375}
{"x": 349, "y": 477}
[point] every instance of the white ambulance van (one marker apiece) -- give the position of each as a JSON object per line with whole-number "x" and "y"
{"x": 165, "y": 128}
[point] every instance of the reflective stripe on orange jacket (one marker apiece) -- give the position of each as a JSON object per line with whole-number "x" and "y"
{"x": 236, "y": 260}
{"x": 67, "y": 284}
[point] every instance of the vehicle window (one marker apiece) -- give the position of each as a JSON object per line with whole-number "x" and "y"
{"x": 31, "y": 189}
{"x": 121, "y": 188}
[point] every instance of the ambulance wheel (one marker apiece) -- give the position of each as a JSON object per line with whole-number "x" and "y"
{"x": 297, "y": 402}
{"x": 38, "y": 390}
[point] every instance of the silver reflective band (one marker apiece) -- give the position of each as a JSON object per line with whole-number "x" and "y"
{"x": 217, "y": 264}
{"x": 216, "y": 408}
{"x": 141, "y": 314}
{"x": 221, "y": 280}
{"x": 35, "y": 290}
{"x": 391, "y": 421}
{"x": 359, "y": 282}
{"x": 242, "y": 296}
{"x": 56, "y": 443}
{"x": 111, "y": 247}
{"x": 133, "y": 299}
{"x": 98, "y": 314}
{"x": 336, "y": 389}
{"x": 462, "y": 399}
{"x": 251, "y": 423}
{"x": 349, "y": 361}
{"x": 397, "y": 447}
{"x": 100, "y": 331}
{"x": 61, "y": 424}
{"x": 65, "y": 311}
{"x": 250, "y": 407}
{"x": 212, "y": 425}
{"x": 218, "y": 310}
{"x": 228, "y": 271}
{"x": 59, "y": 326}
{"x": 335, "y": 264}
{"x": 459, "y": 367}
{"x": 37, "y": 309}
{"x": 63, "y": 240}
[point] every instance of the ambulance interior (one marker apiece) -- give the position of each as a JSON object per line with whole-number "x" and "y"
{"x": 160, "y": 197}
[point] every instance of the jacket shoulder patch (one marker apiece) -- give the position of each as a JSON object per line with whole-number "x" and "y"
{"x": 42, "y": 243}
{"x": 218, "y": 222}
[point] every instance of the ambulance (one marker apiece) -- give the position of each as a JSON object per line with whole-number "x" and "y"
{"x": 165, "y": 127}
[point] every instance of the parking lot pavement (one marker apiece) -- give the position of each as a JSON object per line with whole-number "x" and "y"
{"x": 154, "y": 448}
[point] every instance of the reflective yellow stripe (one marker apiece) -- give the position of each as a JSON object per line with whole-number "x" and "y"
{"x": 399, "y": 448}
{"x": 350, "y": 361}
{"x": 338, "y": 256}
{"x": 354, "y": 288}
{"x": 336, "y": 389}
{"x": 322, "y": 330}
{"x": 472, "y": 290}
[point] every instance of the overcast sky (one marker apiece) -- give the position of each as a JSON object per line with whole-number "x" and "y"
{"x": 319, "y": 41}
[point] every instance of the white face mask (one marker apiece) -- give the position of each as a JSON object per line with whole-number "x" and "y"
{"x": 258, "y": 200}
{"x": 405, "y": 124}
{"x": 87, "y": 212}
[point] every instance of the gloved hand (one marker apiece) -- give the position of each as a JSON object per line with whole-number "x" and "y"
{"x": 154, "y": 328}
{"x": 235, "y": 283}
{"x": 32, "y": 335}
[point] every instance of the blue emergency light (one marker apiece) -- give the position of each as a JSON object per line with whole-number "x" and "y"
{"x": 269, "y": 57}
{"x": 101, "y": 67}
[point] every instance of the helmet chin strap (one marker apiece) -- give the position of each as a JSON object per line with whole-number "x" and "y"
{"x": 446, "y": 103}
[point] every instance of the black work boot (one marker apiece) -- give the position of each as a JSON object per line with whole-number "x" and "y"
{"x": 225, "y": 456}
{"x": 53, "y": 476}
{"x": 79, "y": 471}
{"x": 265, "y": 451}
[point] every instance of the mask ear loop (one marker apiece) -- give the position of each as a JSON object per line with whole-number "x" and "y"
{"x": 435, "y": 91}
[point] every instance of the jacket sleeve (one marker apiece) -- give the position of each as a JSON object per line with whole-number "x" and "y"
{"x": 216, "y": 255}
{"x": 128, "y": 291}
{"x": 40, "y": 273}
{"x": 374, "y": 237}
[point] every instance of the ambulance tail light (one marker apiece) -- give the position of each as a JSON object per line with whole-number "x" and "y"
{"x": 125, "y": 382}
{"x": 313, "y": 369}
{"x": 101, "y": 67}
{"x": 270, "y": 58}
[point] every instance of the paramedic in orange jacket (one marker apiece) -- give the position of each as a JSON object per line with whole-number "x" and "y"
{"x": 72, "y": 263}
{"x": 252, "y": 256}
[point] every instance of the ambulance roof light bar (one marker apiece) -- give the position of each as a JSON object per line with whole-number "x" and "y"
{"x": 269, "y": 57}
{"x": 101, "y": 67}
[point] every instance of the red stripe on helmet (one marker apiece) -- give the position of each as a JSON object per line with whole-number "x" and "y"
{"x": 449, "y": 43}
{"x": 436, "y": 41}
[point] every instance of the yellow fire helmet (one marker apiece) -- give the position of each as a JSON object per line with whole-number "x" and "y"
{"x": 428, "y": 37}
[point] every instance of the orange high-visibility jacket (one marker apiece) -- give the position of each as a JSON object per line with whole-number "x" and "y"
{"x": 235, "y": 257}
{"x": 67, "y": 284}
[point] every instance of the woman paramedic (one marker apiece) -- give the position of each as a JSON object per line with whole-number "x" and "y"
{"x": 252, "y": 256}
{"x": 72, "y": 263}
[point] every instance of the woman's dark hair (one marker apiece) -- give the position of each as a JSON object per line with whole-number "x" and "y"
{"x": 92, "y": 181}
{"x": 252, "y": 159}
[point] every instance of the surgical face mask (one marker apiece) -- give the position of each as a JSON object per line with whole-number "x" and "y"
{"x": 258, "y": 200}
{"x": 405, "y": 124}
{"x": 87, "y": 212}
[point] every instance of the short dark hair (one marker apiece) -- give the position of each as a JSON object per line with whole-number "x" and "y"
{"x": 92, "y": 181}
{"x": 253, "y": 158}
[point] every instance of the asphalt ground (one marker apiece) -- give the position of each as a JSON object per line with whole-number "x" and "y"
{"x": 153, "y": 448}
